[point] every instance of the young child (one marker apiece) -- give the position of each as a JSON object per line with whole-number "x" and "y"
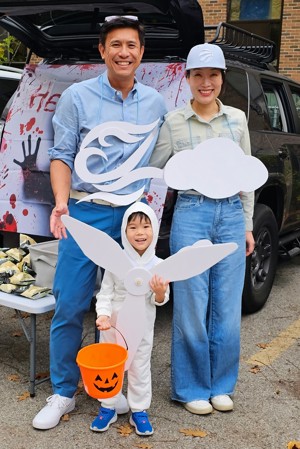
{"x": 139, "y": 237}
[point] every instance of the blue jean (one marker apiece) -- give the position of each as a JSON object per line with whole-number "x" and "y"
{"x": 207, "y": 307}
{"x": 73, "y": 289}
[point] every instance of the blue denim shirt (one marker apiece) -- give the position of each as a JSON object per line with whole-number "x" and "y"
{"x": 89, "y": 103}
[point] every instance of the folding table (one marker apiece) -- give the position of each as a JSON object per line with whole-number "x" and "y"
{"x": 34, "y": 307}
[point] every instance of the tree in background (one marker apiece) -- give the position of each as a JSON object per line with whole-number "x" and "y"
{"x": 9, "y": 47}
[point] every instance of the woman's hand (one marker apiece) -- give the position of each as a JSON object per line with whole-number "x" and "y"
{"x": 250, "y": 243}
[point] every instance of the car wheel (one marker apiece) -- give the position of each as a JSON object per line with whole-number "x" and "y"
{"x": 261, "y": 264}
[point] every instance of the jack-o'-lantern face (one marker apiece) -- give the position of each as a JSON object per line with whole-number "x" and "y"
{"x": 107, "y": 385}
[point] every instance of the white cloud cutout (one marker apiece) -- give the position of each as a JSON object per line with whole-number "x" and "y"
{"x": 217, "y": 168}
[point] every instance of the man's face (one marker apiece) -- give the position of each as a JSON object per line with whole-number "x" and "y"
{"x": 122, "y": 54}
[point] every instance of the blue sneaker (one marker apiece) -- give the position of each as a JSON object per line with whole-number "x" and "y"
{"x": 141, "y": 423}
{"x": 105, "y": 418}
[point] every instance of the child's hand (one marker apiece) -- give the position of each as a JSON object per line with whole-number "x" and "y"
{"x": 103, "y": 323}
{"x": 159, "y": 287}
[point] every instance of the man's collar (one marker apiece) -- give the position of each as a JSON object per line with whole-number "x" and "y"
{"x": 115, "y": 91}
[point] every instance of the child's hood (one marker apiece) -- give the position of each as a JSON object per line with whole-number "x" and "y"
{"x": 149, "y": 254}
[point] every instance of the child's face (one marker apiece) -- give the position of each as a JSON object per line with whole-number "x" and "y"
{"x": 139, "y": 234}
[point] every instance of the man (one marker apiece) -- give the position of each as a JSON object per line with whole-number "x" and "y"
{"x": 114, "y": 96}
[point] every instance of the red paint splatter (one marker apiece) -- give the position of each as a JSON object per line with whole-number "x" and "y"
{"x": 174, "y": 69}
{"x": 11, "y": 113}
{"x": 3, "y": 176}
{"x": 31, "y": 68}
{"x": 28, "y": 126}
{"x": 25, "y": 212}
{"x": 9, "y": 223}
{"x": 39, "y": 131}
{"x": 85, "y": 67}
{"x": 149, "y": 199}
{"x": 143, "y": 73}
{"x": 179, "y": 90}
{"x": 3, "y": 145}
{"x": 13, "y": 200}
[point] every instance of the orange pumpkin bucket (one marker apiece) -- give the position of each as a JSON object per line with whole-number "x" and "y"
{"x": 102, "y": 369}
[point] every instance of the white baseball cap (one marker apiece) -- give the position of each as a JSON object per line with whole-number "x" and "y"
{"x": 204, "y": 56}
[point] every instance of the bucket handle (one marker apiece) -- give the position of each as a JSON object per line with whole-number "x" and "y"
{"x": 121, "y": 336}
{"x": 84, "y": 337}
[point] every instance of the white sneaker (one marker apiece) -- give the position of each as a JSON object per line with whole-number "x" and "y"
{"x": 50, "y": 415}
{"x": 223, "y": 403}
{"x": 199, "y": 407}
{"x": 122, "y": 406}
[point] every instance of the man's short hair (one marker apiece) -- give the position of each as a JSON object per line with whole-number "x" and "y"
{"x": 122, "y": 22}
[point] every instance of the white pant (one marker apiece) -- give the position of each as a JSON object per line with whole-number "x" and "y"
{"x": 139, "y": 390}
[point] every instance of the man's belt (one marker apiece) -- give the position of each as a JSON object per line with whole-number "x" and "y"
{"x": 76, "y": 195}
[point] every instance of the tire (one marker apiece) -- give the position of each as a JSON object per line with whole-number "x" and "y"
{"x": 262, "y": 263}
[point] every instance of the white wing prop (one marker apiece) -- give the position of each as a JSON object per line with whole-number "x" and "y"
{"x": 105, "y": 252}
{"x": 193, "y": 260}
{"x": 98, "y": 246}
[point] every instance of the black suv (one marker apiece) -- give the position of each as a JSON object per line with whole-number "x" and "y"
{"x": 272, "y": 105}
{"x": 66, "y": 37}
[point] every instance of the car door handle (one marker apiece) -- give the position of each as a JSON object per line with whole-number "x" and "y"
{"x": 283, "y": 153}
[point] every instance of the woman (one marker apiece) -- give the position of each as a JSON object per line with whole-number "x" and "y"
{"x": 207, "y": 308}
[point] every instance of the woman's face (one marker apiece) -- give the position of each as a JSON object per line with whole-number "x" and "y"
{"x": 205, "y": 85}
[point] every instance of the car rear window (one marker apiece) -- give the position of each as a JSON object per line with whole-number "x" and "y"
{"x": 236, "y": 90}
{"x": 7, "y": 88}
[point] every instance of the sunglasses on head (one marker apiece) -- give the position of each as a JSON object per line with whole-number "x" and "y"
{"x": 110, "y": 18}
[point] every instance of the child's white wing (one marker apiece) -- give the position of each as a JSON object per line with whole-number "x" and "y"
{"x": 192, "y": 260}
{"x": 98, "y": 246}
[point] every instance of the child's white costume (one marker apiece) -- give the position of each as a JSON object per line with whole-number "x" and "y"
{"x": 110, "y": 300}
{"x": 134, "y": 272}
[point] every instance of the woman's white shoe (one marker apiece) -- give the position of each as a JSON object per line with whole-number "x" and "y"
{"x": 199, "y": 407}
{"x": 222, "y": 403}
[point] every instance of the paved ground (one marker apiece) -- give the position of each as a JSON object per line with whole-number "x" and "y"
{"x": 267, "y": 399}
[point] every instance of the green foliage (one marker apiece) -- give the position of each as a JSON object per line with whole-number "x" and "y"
{"x": 8, "y": 46}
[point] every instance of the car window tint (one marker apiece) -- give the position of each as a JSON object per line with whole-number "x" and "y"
{"x": 7, "y": 88}
{"x": 296, "y": 99}
{"x": 275, "y": 108}
{"x": 236, "y": 90}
